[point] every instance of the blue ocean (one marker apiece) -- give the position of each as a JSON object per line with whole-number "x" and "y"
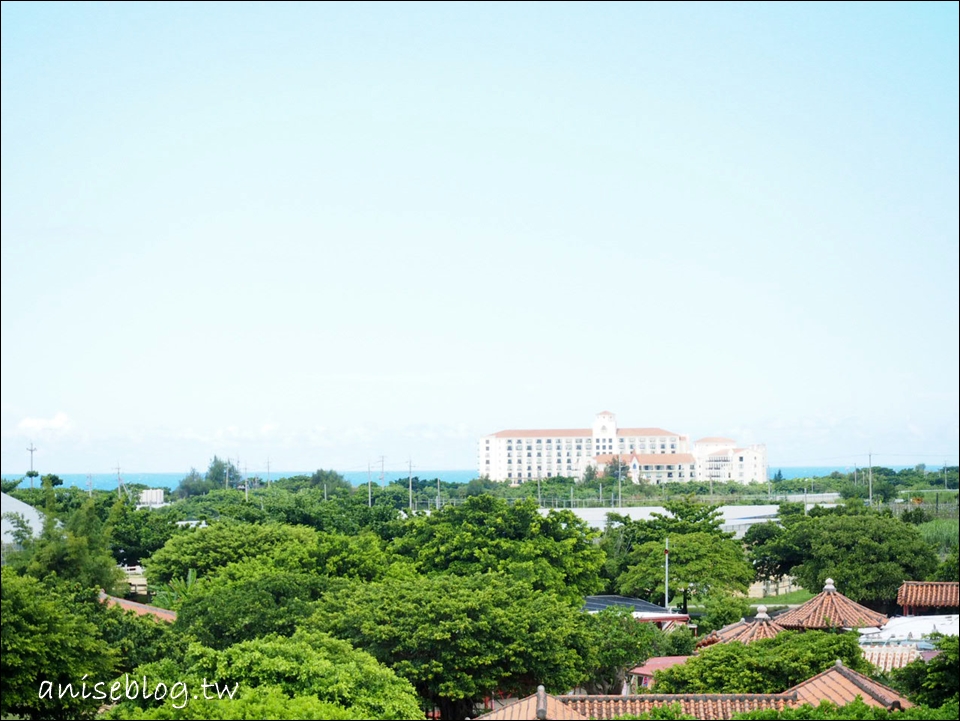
{"x": 108, "y": 481}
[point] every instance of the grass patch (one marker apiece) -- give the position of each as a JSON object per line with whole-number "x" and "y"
{"x": 794, "y": 597}
{"x": 941, "y": 533}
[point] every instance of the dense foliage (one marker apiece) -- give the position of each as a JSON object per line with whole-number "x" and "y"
{"x": 317, "y": 600}
{"x": 765, "y": 666}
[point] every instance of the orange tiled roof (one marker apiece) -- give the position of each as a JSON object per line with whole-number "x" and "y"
{"x": 887, "y": 658}
{"x": 715, "y": 439}
{"x": 540, "y": 705}
{"x": 141, "y": 609}
{"x": 841, "y": 685}
{"x": 700, "y": 705}
{"x": 657, "y": 663}
{"x": 830, "y": 609}
{"x": 743, "y": 631}
{"x": 929, "y": 594}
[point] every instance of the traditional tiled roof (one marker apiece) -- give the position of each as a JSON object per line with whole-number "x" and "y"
{"x": 658, "y": 663}
{"x": 700, "y": 705}
{"x": 141, "y": 609}
{"x": 929, "y": 594}
{"x": 841, "y": 685}
{"x": 887, "y": 658}
{"x": 744, "y": 631}
{"x": 540, "y": 705}
{"x": 830, "y": 609}
{"x": 838, "y": 684}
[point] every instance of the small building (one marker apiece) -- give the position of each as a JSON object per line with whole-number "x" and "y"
{"x": 830, "y": 609}
{"x": 762, "y": 626}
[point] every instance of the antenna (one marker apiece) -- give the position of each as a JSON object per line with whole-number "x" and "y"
{"x": 381, "y": 470}
{"x": 89, "y": 485}
{"x": 268, "y": 472}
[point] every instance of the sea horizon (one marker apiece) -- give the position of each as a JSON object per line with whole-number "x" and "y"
{"x": 171, "y": 479}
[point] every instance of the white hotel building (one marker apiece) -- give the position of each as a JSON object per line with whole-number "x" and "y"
{"x": 652, "y": 454}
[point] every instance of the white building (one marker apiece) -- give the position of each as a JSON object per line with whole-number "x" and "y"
{"x": 652, "y": 454}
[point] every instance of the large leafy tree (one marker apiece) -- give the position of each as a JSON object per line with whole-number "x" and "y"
{"x": 868, "y": 555}
{"x": 554, "y": 553}
{"x": 616, "y": 642}
{"x": 767, "y": 666}
{"x": 78, "y": 550}
{"x": 623, "y": 535}
{"x": 210, "y": 548}
{"x": 246, "y": 601}
{"x": 47, "y": 639}
{"x": 308, "y": 675}
{"x": 700, "y": 564}
{"x": 459, "y": 638}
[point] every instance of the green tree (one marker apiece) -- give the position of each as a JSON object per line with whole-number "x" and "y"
{"x": 767, "y": 666}
{"x": 623, "y": 535}
{"x": 617, "y": 642}
{"x": 210, "y": 548}
{"x": 868, "y": 555}
{"x": 46, "y": 640}
{"x": 555, "y": 552}
{"x": 248, "y": 600}
{"x": 701, "y": 564}
{"x": 136, "y": 534}
{"x": 77, "y": 551}
{"x": 309, "y": 675}
{"x": 934, "y": 682}
{"x": 457, "y": 639}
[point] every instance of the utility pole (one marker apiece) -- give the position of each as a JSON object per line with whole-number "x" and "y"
{"x": 666, "y": 575}
{"x": 381, "y": 471}
{"x": 438, "y": 493}
{"x": 31, "y": 448}
{"x": 246, "y": 482}
{"x": 870, "y": 476}
{"x": 369, "y": 488}
{"x": 268, "y": 472}
{"x": 119, "y": 481}
{"x": 410, "y": 482}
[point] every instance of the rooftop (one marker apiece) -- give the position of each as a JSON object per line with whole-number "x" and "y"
{"x": 830, "y": 609}
{"x": 929, "y": 594}
{"x": 744, "y": 631}
{"x": 841, "y": 685}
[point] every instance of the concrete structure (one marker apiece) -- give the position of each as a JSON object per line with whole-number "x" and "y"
{"x": 654, "y": 455}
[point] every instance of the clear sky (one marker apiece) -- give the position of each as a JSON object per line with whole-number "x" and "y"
{"x": 323, "y": 233}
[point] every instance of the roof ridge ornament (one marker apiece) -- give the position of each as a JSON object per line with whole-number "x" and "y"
{"x": 829, "y": 587}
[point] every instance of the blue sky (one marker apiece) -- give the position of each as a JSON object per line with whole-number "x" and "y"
{"x": 324, "y": 233}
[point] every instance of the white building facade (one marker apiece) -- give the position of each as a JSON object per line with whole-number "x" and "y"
{"x": 654, "y": 455}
